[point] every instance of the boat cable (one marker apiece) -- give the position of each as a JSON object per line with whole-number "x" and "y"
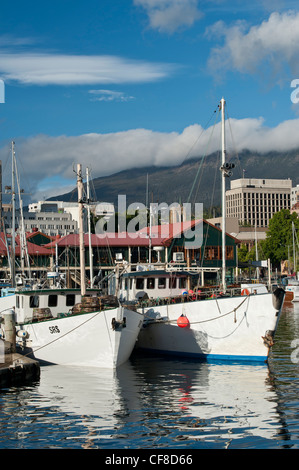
{"x": 204, "y": 155}
{"x": 224, "y": 314}
{"x": 229, "y": 334}
{"x": 233, "y": 141}
{"x": 203, "y": 129}
{"x": 65, "y": 334}
{"x": 204, "y": 321}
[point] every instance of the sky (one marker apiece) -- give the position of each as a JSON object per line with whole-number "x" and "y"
{"x": 133, "y": 83}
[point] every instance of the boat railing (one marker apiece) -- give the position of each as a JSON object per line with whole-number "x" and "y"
{"x": 206, "y": 294}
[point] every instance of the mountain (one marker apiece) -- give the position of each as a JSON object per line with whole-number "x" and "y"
{"x": 195, "y": 180}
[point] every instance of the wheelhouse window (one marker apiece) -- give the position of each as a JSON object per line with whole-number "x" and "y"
{"x": 139, "y": 283}
{"x": 70, "y": 300}
{"x": 150, "y": 283}
{"x": 52, "y": 300}
{"x": 34, "y": 301}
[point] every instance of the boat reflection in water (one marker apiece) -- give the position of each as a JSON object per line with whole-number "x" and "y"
{"x": 151, "y": 402}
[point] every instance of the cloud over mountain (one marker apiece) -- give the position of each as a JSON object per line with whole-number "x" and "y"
{"x": 109, "y": 153}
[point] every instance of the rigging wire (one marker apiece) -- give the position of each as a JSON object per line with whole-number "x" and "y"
{"x": 203, "y": 129}
{"x": 233, "y": 142}
{"x": 204, "y": 155}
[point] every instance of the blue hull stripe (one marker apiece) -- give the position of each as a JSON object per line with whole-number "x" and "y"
{"x": 208, "y": 357}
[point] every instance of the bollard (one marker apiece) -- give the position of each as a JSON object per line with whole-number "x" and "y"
{"x": 2, "y": 351}
{"x": 10, "y": 328}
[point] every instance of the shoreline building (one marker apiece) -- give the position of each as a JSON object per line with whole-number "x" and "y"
{"x": 254, "y": 201}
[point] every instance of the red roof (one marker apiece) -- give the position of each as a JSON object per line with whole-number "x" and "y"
{"x": 162, "y": 235}
{"x": 169, "y": 231}
{"x": 33, "y": 249}
{"x": 108, "y": 239}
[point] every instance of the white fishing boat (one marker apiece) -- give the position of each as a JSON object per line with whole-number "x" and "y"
{"x": 226, "y": 325}
{"x": 292, "y": 291}
{"x": 69, "y": 327}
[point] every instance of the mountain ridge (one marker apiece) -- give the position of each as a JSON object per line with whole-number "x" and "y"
{"x": 171, "y": 184}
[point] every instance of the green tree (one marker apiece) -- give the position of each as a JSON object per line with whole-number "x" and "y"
{"x": 280, "y": 236}
{"x": 243, "y": 253}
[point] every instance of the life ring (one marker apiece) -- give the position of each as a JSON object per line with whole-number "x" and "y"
{"x": 245, "y": 292}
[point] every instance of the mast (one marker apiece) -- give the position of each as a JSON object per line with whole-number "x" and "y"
{"x": 222, "y": 107}
{"x": 89, "y": 231}
{"x": 13, "y": 219}
{"x": 81, "y": 232}
{"x": 23, "y": 240}
{"x": 294, "y": 249}
{"x": 256, "y": 251}
{"x": 150, "y": 236}
{"x": 226, "y": 173}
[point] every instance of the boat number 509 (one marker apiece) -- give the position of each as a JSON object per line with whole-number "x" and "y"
{"x": 54, "y": 329}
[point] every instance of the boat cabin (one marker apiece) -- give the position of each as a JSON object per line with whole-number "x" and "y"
{"x": 35, "y": 305}
{"x": 151, "y": 284}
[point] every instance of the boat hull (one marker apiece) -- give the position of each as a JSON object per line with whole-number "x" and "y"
{"x": 101, "y": 339}
{"x": 292, "y": 293}
{"x": 228, "y": 328}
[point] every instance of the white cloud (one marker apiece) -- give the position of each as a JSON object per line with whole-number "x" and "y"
{"x": 109, "y": 95}
{"x": 106, "y": 154}
{"x": 8, "y": 40}
{"x": 59, "y": 69}
{"x": 271, "y": 45}
{"x": 170, "y": 15}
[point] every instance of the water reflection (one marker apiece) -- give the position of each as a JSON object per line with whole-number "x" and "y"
{"x": 284, "y": 373}
{"x": 155, "y": 403}
{"x": 151, "y": 402}
{"x": 213, "y": 401}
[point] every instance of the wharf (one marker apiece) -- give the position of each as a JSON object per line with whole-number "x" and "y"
{"x": 15, "y": 368}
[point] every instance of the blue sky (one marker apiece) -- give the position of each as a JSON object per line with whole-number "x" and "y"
{"x": 125, "y": 83}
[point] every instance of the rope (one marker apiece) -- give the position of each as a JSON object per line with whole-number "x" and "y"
{"x": 210, "y": 319}
{"x": 221, "y": 337}
{"x": 65, "y": 334}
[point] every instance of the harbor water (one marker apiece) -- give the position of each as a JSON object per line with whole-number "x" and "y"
{"x": 157, "y": 403}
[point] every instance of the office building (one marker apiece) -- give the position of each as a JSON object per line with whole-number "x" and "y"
{"x": 254, "y": 201}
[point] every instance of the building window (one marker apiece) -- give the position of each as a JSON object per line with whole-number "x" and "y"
{"x": 211, "y": 252}
{"x": 229, "y": 252}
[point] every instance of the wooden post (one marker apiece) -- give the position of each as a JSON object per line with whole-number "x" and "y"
{"x": 10, "y": 328}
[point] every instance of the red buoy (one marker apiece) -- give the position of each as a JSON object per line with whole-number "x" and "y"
{"x": 183, "y": 321}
